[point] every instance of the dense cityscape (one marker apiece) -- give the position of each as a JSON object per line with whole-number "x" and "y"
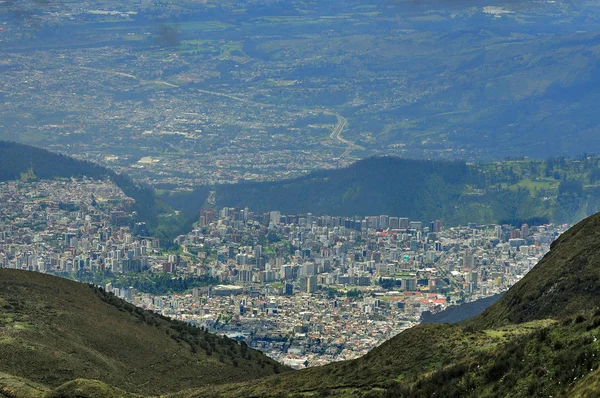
{"x": 299, "y": 198}
{"x": 305, "y": 289}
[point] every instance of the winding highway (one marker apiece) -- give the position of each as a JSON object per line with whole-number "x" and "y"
{"x": 336, "y": 134}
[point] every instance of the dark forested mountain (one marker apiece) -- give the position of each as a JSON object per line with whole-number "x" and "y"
{"x": 511, "y": 192}
{"x": 53, "y": 331}
{"x": 414, "y": 188}
{"x": 16, "y": 160}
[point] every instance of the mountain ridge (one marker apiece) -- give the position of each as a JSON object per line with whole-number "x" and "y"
{"x": 510, "y": 192}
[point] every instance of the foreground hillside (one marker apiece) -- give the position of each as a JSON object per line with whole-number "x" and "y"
{"x": 54, "y": 331}
{"x": 539, "y": 339}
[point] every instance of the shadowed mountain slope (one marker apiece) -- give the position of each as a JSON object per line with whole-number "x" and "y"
{"x": 53, "y": 331}
{"x": 511, "y": 192}
{"x": 386, "y": 185}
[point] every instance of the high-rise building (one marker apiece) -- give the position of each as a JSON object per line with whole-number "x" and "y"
{"x": 275, "y": 217}
{"x": 286, "y": 272}
{"x": 373, "y": 222}
{"x": 245, "y": 275}
{"x": 468, "y": 261}
{"x": 258, "y": 251}
{"x": 311, "y": 284}
{"x": 384, "y": 221}
{"x": 416, "y": 225}
{"x": 435, "y": 226}
{"x": 410, "y": 284}
{"x": 524, "y": 231}
{"x": 289, "y": 289}
{"x": 224, "y": 213}
{"x": 498, "y": 231}
{"x": 303, "y": 284}
{"x": 474, "y": 279}
{"x": 209, "y": 216}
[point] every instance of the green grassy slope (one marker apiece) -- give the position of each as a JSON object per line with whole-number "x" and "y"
{"x": 53, "y": 331}
{"x": 565, "y": 281}
{"x": 538, "y": 358}
{"x": 416, "y": 352}
{"x": 11, "y": 386}
{"x": 88, "y": 389}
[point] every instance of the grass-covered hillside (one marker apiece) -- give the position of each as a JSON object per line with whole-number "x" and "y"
{"x": 566, "y": 280}
{"x": 539, "y": 339}
{"x": 54, "y": 331}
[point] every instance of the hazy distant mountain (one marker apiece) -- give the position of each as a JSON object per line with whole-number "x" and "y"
{"x": 220, "y": 82}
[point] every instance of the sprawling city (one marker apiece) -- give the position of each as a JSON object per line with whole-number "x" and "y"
{"x": 299, "y": 199}
{"x": 305, "y": 289}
